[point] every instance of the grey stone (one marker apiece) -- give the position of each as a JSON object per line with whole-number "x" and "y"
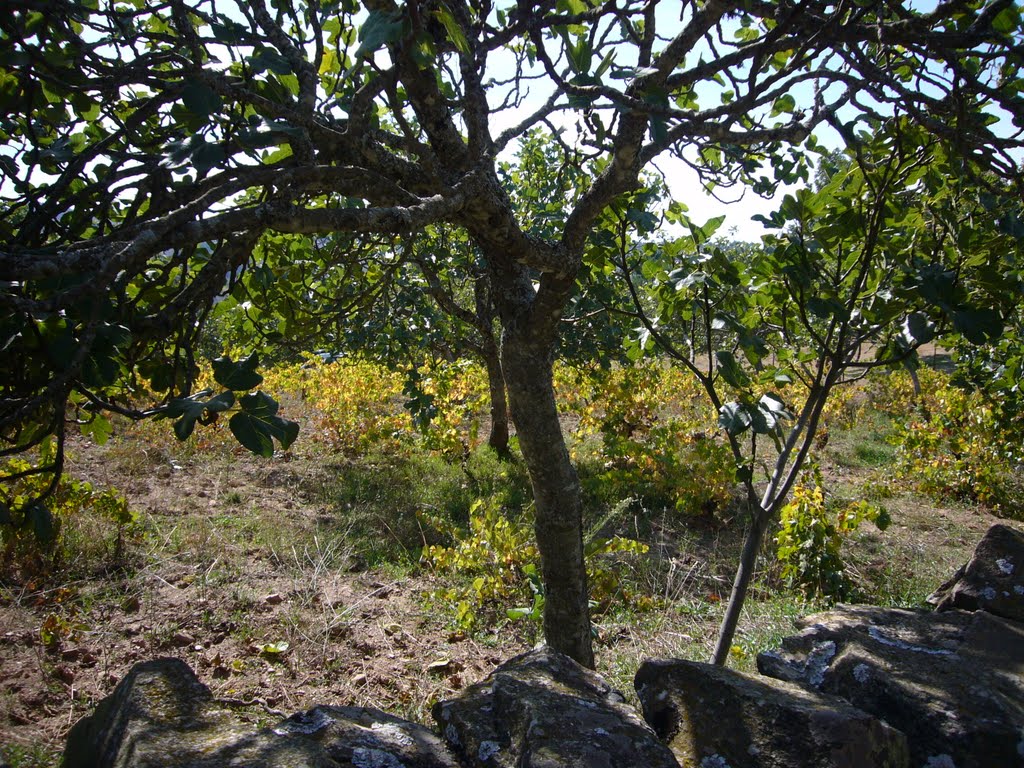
{"x": 369, "y": 738}
{"x": 992, "y": 580}
{"x": 543, "y": 710}
{"x": 162, "y": 716}
{"x": 953, "y": 682}
{"x": 159, "y": 715}
{"x": 711, "y": 716}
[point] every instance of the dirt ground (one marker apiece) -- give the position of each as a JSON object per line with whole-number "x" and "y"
{"x": 235, "y": 579}
{"x": 272, "y": 629}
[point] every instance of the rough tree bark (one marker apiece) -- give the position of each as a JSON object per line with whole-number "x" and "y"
{"x": 497, "y": 438}
{"x": 558, "y": 505}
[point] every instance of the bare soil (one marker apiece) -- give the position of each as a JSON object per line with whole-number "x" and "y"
{"x": 273, "y": 621}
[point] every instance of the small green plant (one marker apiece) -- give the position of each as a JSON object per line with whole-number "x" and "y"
{"x": 498, "y": 553}
{"x": 811, "y": 537}
{"x": 21, "y": 756}
{"x": 33, "y": 533}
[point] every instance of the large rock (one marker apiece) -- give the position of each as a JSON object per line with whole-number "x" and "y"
{"x": 543, "y": 710}
{"x": 992, "y": 580}
{"x": 162, "y": 716}
{"x": 953, "y": 682}
{"x": 712, "y": 716}
{"x": 158, "y": 714}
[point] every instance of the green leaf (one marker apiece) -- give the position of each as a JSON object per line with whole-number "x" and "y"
{"x": 237, "y": 376}
{"x": 1008, "y": 20}
{"x": 581, "y": 101}
{"x": 267, "y": 58}
{"x": 824, "y": 308}
{"x": 207, "y": 155}
{"x": 702, "y": 234}
{"x": 191, "y": 409}
{"x": 98, "y": 427}
{"x": 258, "y": 425}
{"x": 252, "y": 434}
{"x": 978, "y": 326}
{"x": 731, "y": 370}
{"x": 783, "y": 104}
{"x": 937, "y": 285}
{"x": 917, "y": 329}
{"x": 659, "y": 129}
{"x": 44, "y": 524}
{"x": 773, "y": 404}
{"x": 770, "y": 411}
{"x": 228, "y": 31}
{"x": 200, "y": 99}
{"x": 379, "y": 28}
{"x": 452, "y": 28}
{"x": 734, "y": 418}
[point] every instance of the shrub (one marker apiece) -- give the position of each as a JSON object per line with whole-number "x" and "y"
{"x": 36, "y": 537}
{"x": 959, "y": 453}
{"x": 496, "y": 567}
{"x": 657, "y": 440}
{"x": 811, "y": 537}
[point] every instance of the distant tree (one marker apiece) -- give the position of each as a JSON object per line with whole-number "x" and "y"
{"x": 148, "y": 148}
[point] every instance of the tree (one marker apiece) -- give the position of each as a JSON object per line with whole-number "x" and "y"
{"x": 149, "y": 147}
{"x": 892, "y": 250}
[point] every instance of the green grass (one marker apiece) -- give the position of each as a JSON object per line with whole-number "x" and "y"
{"x": 866, "y": 445}
{"x": 375, "y": 500}
{"x": 20, "y": 756}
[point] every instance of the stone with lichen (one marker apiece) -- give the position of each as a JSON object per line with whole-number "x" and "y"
{"x": 713, "y": 717}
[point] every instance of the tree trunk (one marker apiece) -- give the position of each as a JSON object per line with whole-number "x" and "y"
{"x": 748, "y": 560}
{"x": 527, "y": 365}
{"x": 498, "y": 437}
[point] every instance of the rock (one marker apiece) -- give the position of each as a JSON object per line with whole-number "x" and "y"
{"x": 162, "y": 716}
{"x": 711, "y": 716}
{"x": 368, "y": 738}
{"x": 543, "y": 710}
{"x": 992, "y": 580}
{"x": 181, "y": 639}
{"x": 953, "y": 682}
{"x": 159, "y": 715}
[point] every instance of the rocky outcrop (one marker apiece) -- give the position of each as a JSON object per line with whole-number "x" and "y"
{"x": 158, "y": 711}
{"x": 993, "y": 579}
{"x": 712, "y": 716}
{"x": 953, "y": 682}
{"x": 543, "y": 710}
{"x": 540, "y": 709}
{"x": 161, "y": 716}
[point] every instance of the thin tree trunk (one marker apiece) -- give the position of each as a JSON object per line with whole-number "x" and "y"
{"x": 498, "y": 437}
{"x": 556, "y": 490}
{"x": 745, "y": 571}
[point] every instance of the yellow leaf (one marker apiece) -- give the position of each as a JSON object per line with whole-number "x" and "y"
{"x": 329, "y": 62}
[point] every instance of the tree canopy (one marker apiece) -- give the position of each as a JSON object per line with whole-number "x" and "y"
{"x": 148, "y": 147}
